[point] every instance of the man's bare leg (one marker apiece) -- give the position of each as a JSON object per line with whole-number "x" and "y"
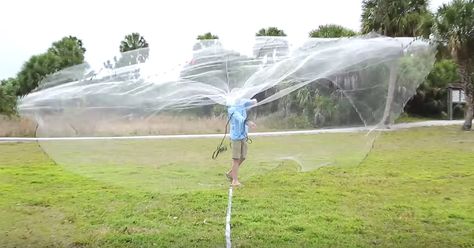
{"x": 234, "y": 172}
{"x": 229, "y": 173}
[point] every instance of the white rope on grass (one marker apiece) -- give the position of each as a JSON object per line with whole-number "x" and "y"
{"x": 227, "y": 220}
{"x": 262, "y": 134}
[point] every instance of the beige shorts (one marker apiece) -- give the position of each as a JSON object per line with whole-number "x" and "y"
{"x": 239, "y": 149}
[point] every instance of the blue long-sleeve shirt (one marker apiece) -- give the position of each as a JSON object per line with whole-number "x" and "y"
{"x": 238, "y": 115}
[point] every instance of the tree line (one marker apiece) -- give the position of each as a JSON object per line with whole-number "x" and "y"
{"x": 451, "y": 27}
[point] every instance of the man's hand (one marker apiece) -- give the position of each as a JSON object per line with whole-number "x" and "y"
{"x": 252, "y": 124}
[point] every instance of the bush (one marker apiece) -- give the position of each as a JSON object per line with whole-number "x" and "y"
{"x": 431, "y": 96}
{"x": 8, "y": 98}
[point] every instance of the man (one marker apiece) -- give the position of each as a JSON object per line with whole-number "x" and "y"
{"x": 238, "y": 135}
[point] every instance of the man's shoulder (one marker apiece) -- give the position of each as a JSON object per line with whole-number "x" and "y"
{"x": 235, "y": 108}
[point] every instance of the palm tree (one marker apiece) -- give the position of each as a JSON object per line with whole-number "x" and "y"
{"x": 401, "y": 18}
{"x": 70, "y": 50}
{"x": 454, "y": 26}
{"x": 133, "y": 41}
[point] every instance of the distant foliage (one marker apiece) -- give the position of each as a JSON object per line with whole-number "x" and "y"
{"x": 207, "y": 36}
{"x": 331, "y": 31}
{"x": 271, "y": 31}
{"x": 64, "y": 53}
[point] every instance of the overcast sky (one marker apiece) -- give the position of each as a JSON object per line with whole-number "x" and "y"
{"x": 29, "y": 27}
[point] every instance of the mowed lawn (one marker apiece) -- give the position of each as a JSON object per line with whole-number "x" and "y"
{"x": 414, "y": 189}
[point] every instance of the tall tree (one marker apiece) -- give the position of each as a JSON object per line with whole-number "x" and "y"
{"x": 271, "y": 31}
{"x": 70, "y": 51}
{"x": 8, "y": 97}
{"x": 207, "y": 36}
{"x": 133, "y": 41}
{"x": 129, "y": 56}
{"x": 66, "y": 52}
{"x": 395, "y": 18}
{"x": 401, "y": 18}
{"x": 35, "y": 70}
{"x": 454, "y": 26}
{"x": 331, "y": 31}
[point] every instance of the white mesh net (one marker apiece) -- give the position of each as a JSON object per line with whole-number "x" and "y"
{"x": 321, "y": 84}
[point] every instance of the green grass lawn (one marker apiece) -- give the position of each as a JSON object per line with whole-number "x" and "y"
{"x": 414, "y": 189}
{"x": 179, "y": 166}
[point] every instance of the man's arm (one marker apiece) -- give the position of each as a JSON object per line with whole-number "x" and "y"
{"x": 250, "y": 103}
{"x": 252, "y": 124}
